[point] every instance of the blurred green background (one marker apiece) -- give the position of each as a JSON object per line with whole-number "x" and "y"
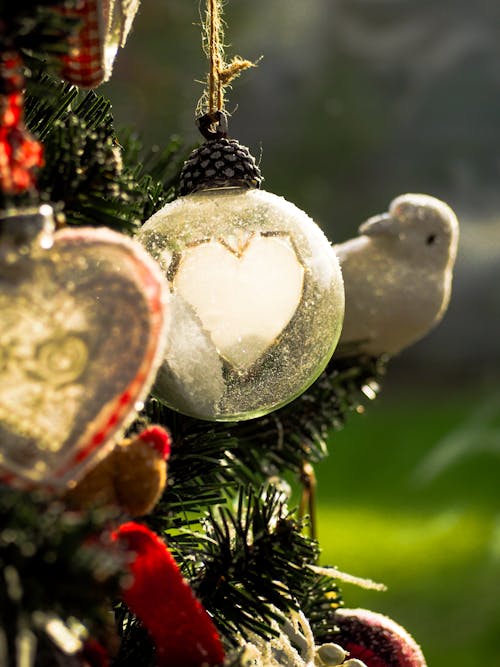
{"x": 409, "y": 497}
{"x": 353, "y": 103}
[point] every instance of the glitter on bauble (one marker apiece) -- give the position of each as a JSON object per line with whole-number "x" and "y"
{"x": 376, "y": 639}
{"x": 258, "y": 297}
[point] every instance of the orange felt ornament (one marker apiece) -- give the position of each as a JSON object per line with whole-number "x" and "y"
{"x": 132, "y": 477}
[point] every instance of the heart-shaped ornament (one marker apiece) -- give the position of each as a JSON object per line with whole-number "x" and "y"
{"x": 81, "y": 337}
{"x": 244, "y": 296}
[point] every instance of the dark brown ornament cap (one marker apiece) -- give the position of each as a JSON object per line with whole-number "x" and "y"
{"x": 219, "y": 162}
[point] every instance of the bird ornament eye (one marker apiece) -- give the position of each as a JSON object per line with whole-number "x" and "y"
{"x": 431, "y": 238}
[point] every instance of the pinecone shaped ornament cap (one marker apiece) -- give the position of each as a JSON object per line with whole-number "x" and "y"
{"x": 219, "y": 162}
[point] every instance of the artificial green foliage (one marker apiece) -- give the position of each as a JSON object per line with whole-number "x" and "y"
{"x": 54, "y": 563}
{"x": 229, "y": 528}
{"x": 155, "y": 172}
{"x": 248, "y": 563}
{"x": 36, "y": 28}
{"x": 255, "y": 556}
{"x": 318, "y": 602}
{"x": 136, "y": 648}
{"x": 88, "y": 173}
{"x": 212, "y": 454}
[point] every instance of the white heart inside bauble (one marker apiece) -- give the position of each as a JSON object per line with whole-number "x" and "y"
{"x": 244, "y": 297}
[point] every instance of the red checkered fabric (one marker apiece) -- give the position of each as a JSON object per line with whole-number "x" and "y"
{"x": 84, "y": 65}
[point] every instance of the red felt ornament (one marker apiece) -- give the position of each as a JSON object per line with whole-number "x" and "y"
{"x": 376, "y": 639}
{"x": 157, "y": 438}
{"x": 20, "y": 153}
{"x": 161, "y": 598}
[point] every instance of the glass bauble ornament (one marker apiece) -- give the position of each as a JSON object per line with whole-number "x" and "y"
{"x": 257, "y": 292}
{"x": 82, "y": 331}
{"x": 376, "y": 639}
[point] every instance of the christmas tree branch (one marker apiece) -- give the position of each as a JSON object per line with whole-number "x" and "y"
{"x": 258, "y": 449}
{"x": 53, "y": 564}
{"x": 87, "y": 171}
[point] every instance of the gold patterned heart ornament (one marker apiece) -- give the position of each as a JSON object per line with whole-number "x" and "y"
{"x": 84, "y": 316}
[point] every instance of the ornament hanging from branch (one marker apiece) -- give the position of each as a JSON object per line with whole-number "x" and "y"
{"x": 257, "y": 293}
{"x": 83, "y": 322}
{"x": 132, "y": 477}
{"x": 103, "y": 26}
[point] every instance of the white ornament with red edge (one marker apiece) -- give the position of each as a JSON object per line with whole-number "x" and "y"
{"x": 84, "y": 317}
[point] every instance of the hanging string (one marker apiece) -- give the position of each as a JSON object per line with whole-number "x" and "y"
{"x": 308, "y": 497}
{"x": 220, "y": 73}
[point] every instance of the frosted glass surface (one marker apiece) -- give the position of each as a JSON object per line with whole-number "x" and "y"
{"x": 258, "y": 297}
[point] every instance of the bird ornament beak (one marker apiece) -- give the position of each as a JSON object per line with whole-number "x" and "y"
{"x": 380, "y": 225}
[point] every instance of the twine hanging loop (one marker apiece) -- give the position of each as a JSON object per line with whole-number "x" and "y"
{"x": 220, "y": 74}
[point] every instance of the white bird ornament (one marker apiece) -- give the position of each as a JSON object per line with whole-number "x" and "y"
{"x": 397, "y": 275}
